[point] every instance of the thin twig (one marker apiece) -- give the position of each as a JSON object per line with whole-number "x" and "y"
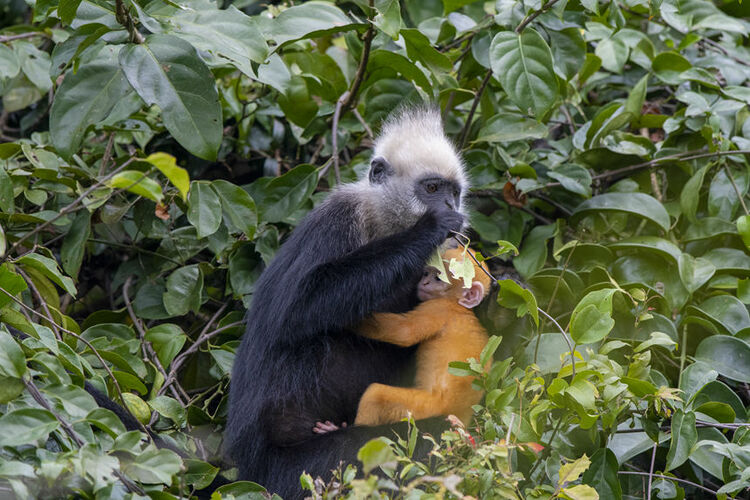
{"x": 651, "y": 469}
{"x": 10, "y": 38}
{"x": 571, "y": 123}
{"x": 565, "y": 336}
{"x": 66, "y": 210}
{"x": 364, "y": 124}
{"x": 147, "y": 349}
{"x": 534, "y": 15}
{"x": 661, "y": 476}
{"x": 122, "y": 16}
{"x": 40, "y": 299}
{"x": 107, "y": 154}
{"x": 736, "y": 189}
{"x": 474, "y": 104}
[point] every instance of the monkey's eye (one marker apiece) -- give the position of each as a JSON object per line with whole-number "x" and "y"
{"x": 431, "y": 187}
{"x": 456, "y": 192}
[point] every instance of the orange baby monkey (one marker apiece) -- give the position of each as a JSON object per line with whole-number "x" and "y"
{"x": 446, "y": 330}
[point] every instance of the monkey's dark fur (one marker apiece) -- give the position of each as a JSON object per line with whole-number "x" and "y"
{"x": 300, "y": 360}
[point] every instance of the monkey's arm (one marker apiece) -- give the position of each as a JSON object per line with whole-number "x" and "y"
{"x": 410, "y": 328}
{"x": 383, "y": 404}
{"x": 355, "y": 284}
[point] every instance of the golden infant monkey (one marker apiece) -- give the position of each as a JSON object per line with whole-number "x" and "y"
{"x": 446, "y": 330}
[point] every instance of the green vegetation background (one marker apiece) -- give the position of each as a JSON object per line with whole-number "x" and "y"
{"x": 154, "y": 154}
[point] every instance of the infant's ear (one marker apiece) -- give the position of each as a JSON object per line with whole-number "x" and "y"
{"x": 472, "y": 296}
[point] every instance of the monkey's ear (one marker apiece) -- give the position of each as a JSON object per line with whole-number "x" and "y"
{"x": 471, "y": 297}
{"x": 380, "y": 169}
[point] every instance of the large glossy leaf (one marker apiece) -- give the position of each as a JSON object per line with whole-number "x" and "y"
{"x": 507, "y": 127}
{"x": 227, "y": 33}
{"x": 591, "y": 319}
{"x": 727, "y": 311}
{"x": 166, "y": 71}
{"x": 522, "y": 63}
{"x": 74, "y": 244}
{"x": 729, "y": 260}
{"x": 602, "y": 474}
{"x": 639, "y": 204}
{"x": 49, "y": 268}
{"x": 694, "y": 272}
{"x": 204, "y": 208}
{"x": 240, "y": 212}
{"x": 728, "y": 355}
{"x": 25, "y": 426}
{"x": 309, "y": 20}
{"x": 12, "y": 360}
{"x": 655, "y": 244}
{"x": 85, "y": 98}
{"x": 278, "y": 198}
{"x": 184, "y": 290}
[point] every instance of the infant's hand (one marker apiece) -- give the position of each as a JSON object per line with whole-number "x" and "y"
{"x": 326, "y": 427}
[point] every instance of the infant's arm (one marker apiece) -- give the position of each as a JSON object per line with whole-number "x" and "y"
{"x": 407, "y": 329}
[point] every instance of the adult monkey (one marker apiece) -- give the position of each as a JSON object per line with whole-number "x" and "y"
{"x": 300, "y": 361}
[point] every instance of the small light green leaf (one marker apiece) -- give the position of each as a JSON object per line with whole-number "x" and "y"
{"x": 572, "y": 471}
{"x": 463, "y": 270}
{"x": 376, "y": 452}
{"x": 690, "y": 195}
{"x": 657, "y": 338}
{"x": 694, "y": 272}
{"x": 684, "y": 436}
{"x": 153, "y": 466}
{"x": 167, "y": 340}
{"x": 204, "y": 208}
{"x": 136, "y": 182}
{"x": 436, "y": 261}
{"x": 6, "y": 192}
{"x": 591, "y": 319}
{"x": 167, "y": 165}
{"x": 743, "y": 228}
{"x": 523, "y": 65}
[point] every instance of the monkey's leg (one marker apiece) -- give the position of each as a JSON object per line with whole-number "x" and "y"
{"x": 382, "y": 404}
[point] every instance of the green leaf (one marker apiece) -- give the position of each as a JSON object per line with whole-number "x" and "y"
{"x": 26, "y": 426}
{"x": 74, "y": 244}
{"x": 204, "y": 208}
{"x": 393, "y": 61}
{"x": 184, "y": 288}
{"x": 684, "y": 436}
{"x": 636, "y": 97}
{"x": 48, "y": 267}
{"x": 167, "y": 165}
{"x": 568, "y": 51}
{"x": 388, "y": 18}
{"x": 419, "y": 48}
{"x": 6, "y": 192}
{"x": 533, "y": 252}
{"x": 240, "y": 213}
{"x": 613, "y": 53}
{"x": 12, "y": 360}
{"x": 667, "y": 66}
{"x": 296, "y": 102}
{"x": 136, "y": 182}
{"x": 743, "y": 228}
{"x": 727, "y": 311}
{"x": 170, "y": 408}
{"x": 137, "y": 407}
{"x": 523, "y": 65}
{"x": 167, "y": 340}
{"x": 3, "y": 241}
{"x": 279, "y": 197}
{"x": 602, "y": 474}
{"x": 227, "y": 33}
{"x": 638, "y": 204}
{"x": 512, "y": 296}
{"x": 199, "y": 474}
{"x": 574, "y": 178}
{"x": 591, "y": 319}
{"x": 85, "y": 98}
{"x": 727, "y": 355}
{"x": 694, "y": 272}
{"x": 166, "y": 71}
{"x": 309, "y": 20}
{"x": 690, "y": 195}
{"x": 507, "y": 127}
{"x": 376, "y": 452}
{"x": 722, "y": 194}
{"x": 153, "y": 466}
{"x": 66, "y": 9}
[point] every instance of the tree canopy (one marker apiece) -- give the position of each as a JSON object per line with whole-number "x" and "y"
{"x": 155, "y": 153}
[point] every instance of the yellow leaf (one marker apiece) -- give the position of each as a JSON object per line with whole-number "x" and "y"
{"x": 579, "y": 492}
{"x": 572, "y": 471}
{"x": 167, "y": 165}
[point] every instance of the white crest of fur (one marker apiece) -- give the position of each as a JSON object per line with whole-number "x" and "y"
{"x": 414, "y": 143}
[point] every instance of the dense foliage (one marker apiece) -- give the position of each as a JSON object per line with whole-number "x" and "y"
{"x": 154, "y": 153}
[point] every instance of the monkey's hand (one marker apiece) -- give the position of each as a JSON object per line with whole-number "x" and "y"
{"x": 326, "y": 427}
{"x": 442, "y": 222}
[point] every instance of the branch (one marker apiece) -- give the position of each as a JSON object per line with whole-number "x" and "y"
{"x": 660, "y": 476}
{"x": 40, "y": 299}
{"x": 470, "y": 116}
{"x": 122, "y": 16}
{"x": 10, "y": 38}
{"x": 534, "y": 15}
{"x": 66, "y": 210}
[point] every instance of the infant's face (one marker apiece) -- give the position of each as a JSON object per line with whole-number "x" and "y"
{"x": 430, "y": 286}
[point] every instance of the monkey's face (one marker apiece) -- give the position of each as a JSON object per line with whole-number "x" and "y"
{"x": 431, "y": 286}
{"x": 438, "y": 193}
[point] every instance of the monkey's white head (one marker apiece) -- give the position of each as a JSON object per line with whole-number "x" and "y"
{"x": 414, "y": 167}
